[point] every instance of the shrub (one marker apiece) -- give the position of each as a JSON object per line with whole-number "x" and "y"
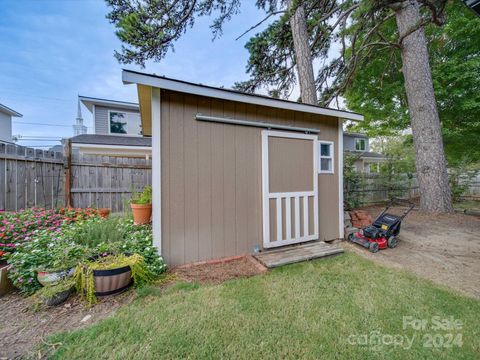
{"x": 139, "y": 240}
{"x": 352, "y": 184}
{"x": 48, "y": 250}
{"x": 99, "y": 233}
{"x": 79, "y": 242}
{"x": 18, "y": 227}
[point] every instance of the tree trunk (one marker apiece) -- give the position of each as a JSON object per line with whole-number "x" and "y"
{"x": 303, "y": 56}
{"x": 431, "y": 166}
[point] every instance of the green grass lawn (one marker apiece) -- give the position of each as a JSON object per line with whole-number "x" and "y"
{"x": 317, "y": 309}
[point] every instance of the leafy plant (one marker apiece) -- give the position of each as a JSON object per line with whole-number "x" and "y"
{"x": 48, "y": 250}
{"x": 142, "y": 198}
{"x": 21, "y": 226}
{"x": 75, "y": 243}
{"x": 84, "y": 278}
{"x": 139, "y": 240}
{"x": 100, "y": 235}
{"x": 377, "y": 89}
{"x": 352, "y": 183}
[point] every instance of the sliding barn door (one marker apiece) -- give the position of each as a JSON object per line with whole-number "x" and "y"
{"x": 290, "y": 188}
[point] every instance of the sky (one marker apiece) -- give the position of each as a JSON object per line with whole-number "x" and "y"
{"x": 53, "y": 50}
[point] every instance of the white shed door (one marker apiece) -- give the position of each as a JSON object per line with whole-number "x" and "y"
{"x": 290, "y": 188}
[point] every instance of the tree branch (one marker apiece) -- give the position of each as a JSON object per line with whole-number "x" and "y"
{"x": 260, "y": 22}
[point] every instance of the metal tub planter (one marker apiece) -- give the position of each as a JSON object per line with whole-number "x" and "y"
{"x": 111, "y": 275}
{"x": 112, "y": 281}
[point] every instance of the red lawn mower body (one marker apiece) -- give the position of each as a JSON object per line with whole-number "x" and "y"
{"x": 366, "y": 242}
{"x": 383, "y": 232}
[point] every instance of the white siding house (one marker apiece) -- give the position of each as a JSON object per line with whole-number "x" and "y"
{"x": 358, "y": 145}
{"x": 6, "y": 115}
{"x": 117, "y": 129}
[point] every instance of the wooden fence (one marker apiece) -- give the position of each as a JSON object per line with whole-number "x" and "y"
{"x": 38, "y": 178}
{"x": 374, "y": 188}
{"x": 107, "y": 181}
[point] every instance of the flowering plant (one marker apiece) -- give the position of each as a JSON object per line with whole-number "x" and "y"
{"x": 139, "y": 240}
{"x": 17, "y": 227}
{"x": 48, "y": 250}
{"x": 76, "y": 242}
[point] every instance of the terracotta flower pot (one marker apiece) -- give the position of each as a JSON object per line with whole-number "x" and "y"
{"x": 142, "y": 213}
{"x": 114, "y": 281}
{"x": 104, "y": 212}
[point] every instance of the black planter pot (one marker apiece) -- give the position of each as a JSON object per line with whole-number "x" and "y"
{"x": 59, "y": 298}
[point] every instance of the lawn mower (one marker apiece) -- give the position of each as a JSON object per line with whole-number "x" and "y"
{"x": 383, "y": 232}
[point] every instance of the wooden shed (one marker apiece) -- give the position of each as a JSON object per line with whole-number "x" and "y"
{"x": 236, "y": 172}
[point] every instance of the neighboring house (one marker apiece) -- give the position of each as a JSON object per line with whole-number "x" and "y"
{"x": 117, "y": 129}
{"x": 6, "y": 115}
{"x": 358, "y": 145}
{"x": 235, "y": 172}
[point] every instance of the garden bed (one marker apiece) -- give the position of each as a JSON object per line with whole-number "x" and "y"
{"x": 53, "y": 254}
{"x": 24, "y": 327}
{"x": 216, "y": 273}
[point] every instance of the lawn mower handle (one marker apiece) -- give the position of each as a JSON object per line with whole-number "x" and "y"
{"x": 404, "y": 202}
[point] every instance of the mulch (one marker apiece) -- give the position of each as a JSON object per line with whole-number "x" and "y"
{"x": 216, "y": 273}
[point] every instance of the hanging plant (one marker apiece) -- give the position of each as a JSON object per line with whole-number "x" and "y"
{"x": 89, "y": 275}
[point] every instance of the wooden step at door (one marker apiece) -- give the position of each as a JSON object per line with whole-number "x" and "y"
{"x": 297, "y": 253}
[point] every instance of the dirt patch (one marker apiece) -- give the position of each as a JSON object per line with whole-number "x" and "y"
{"x": 442, "y": 248}
{"x": 23, "y": 327}
{"x": 219, "y": 272}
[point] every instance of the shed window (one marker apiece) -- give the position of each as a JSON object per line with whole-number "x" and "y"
{"x": 360, "y": 144}
{"x": 325, "y": 157}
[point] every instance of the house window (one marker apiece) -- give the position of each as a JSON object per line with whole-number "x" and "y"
{"x": 360, "y": 144}
{"x": 374, "y": 168}
{"x": 126, "y": 123}
{"x": 325, "y": 158}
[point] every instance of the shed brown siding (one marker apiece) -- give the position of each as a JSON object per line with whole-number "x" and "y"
{"x": 211, "y": 177}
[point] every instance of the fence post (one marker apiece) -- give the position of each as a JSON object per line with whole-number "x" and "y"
{"x": 67, "y": 165}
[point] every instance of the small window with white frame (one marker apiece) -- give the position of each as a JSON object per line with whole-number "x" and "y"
{"x": 325, "y": 158}
{"x": 360, "y": 144}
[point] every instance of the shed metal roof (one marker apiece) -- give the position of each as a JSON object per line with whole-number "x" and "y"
{"x": 162, "y": 82}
